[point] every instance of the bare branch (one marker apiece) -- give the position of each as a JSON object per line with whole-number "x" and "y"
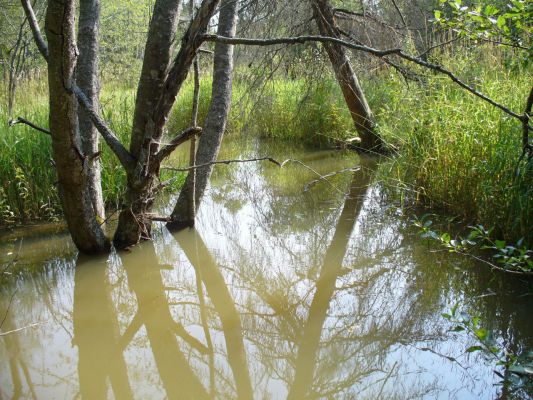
{"x": 525, "y": 125}
{"x": 179, "y": 139}
{"x": 158, "y": 218}
{"x": 399, "y": 13}
{"x": 375, "y": 52}
{"x": 109, "y": 136}
{"x": 20, "y": 329}
{"x": 21, "y": 120}
{"x": 35, "y": 30}
{"x": 227, "y": 162}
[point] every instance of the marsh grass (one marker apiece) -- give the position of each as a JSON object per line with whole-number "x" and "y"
{"x": 459, "y": 154}
{"x": 283, "y": 110}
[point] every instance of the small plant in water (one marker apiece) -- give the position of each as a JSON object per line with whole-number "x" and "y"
{"x": 518, "y": 368}
{"x": 507, "y": 257}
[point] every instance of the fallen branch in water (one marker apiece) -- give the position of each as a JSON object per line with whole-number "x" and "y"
{"x": 20, "y": 120}
{"x": 21, "y": 329}
{"x": 314, "y": 182}
{"x": 272, "y": 160}
{"x": 227, "y": 162}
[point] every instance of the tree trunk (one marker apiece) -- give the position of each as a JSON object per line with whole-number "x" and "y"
{"x": 353, "y": 93}
{"x": 157, "y": 93}
{"x": 87, "y": 80}
{"x": 71, "y": 163}
{"x": 157, "y": 55}
{"x": 215, "y": 123}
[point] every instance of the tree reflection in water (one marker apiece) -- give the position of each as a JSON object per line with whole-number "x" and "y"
{"x": 341, "y": 306}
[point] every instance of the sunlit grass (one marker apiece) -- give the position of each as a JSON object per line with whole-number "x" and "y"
{"x": 457, "y": 153}
{"x": 460, "y": 154}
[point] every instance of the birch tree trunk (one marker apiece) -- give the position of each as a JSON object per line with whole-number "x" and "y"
{"x": 217, "y": 116}
{"x": 87, "y": 80}
{"x": 70, "y": 161}
{"x": 351, "y": 89}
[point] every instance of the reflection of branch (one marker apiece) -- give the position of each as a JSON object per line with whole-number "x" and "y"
{"x": 7, "y": 309}
{"x": 191, "y": 340}
{"x": 21, "y": 329}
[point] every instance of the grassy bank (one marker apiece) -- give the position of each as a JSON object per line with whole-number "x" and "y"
{"x": 27, "y": 178}
{"x": 458, "y": 154}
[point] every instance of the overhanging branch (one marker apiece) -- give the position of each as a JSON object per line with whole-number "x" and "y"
{"x": 359, "y": 47}
{"x": 179, "y": 139}
{"x": 35, "y": 30}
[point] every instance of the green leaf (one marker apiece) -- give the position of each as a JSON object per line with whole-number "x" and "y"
{"x": 437, "y": 15}
{"x": 458, "y": 328}
{"x": 481, "y": 333}
{"x": 500, "y": 244}
{"x": 518, "y": 369}
{"x": 490, "y": 9}
{"x": 472, "y": 349}
{"x": 501, "y": 21}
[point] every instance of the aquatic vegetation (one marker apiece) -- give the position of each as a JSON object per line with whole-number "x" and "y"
{"x": 516, "y": 369}
{"x": 515, "y": 258}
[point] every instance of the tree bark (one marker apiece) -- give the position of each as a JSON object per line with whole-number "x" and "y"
{"x": 217, "y": 116}
{"x": 157, "y": 93}
{"x": 157, "y": 56}
{"x": 87, "y": 81}
{"x": 71, "y": 162}
{"x": 351, "y": 89}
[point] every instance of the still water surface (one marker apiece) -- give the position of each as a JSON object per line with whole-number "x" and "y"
{"x": 287, "y": 288}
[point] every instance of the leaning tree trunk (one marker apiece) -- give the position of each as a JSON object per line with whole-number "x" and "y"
{"x": 70, "y": 161}
{"x": 156, "y": 95}
{"x": 216, "y": 119}
{"x": 353, "y": 93}
{"x": 87, "y": 80}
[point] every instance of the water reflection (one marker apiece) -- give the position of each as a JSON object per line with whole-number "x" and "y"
{"x": 279, "y": 294}
{"x": 97, "y": 334}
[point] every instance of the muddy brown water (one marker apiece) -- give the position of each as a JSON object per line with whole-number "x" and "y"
{"x": 287, "y": 288}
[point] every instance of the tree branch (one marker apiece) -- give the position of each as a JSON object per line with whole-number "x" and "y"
{"x": 124, "y": 156}
{"x": 525, "y": 125}
{"x": 375, "y": 52}
{"x": 179, "y": 139}
{"x": 21, "y": 120}
{"x": 227, "y": 162}
{"x": 399, "y": 13}
{"x": 35, "y": 30}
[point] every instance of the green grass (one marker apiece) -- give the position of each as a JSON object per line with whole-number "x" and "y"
{"x": 284, "y": 110}
{"x": 459, "y": 154}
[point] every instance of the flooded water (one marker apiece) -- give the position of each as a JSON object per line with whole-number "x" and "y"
{"x": 288, "y": 287}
